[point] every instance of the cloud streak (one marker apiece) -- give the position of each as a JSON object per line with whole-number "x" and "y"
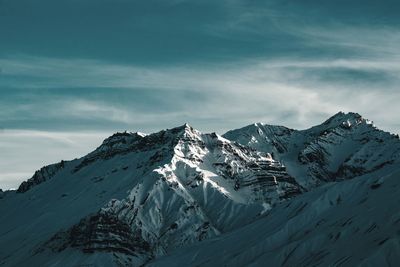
{"x": 25, "y": 151}
{"x": 308, "y": 90}
{"x": 33, "y": 72}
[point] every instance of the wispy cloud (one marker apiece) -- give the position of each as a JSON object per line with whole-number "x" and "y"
{"x": 256, "y": 90}
{"x": 33, "y": 72}
{"x": 24, "y": 151}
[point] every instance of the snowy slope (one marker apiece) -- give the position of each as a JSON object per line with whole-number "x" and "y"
{"x": 338, "y": 224}
{"x": 136, "y": 197}
{"x": 160, "y": 198}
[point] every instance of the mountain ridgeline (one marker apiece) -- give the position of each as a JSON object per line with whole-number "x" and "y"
{"x": 260, "y": 195}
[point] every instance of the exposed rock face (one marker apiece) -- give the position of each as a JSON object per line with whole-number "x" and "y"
{"x": 41, "y": 176}
{"x": 343, "y": 147}
{"x": 100, "y": 232}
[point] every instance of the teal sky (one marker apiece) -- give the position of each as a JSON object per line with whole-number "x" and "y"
{"x": 73, "y": 72}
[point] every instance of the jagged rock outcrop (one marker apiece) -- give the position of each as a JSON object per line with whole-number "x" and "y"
{"x": 102, "y": 232}
{"x": 41, "y": 176}
{"x": 343, "y": 147}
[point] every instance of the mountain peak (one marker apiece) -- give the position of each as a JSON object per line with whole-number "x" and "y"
{"x": 182, "y": 128}
{"x": 185, "y": 131}
{"x": 347, "y": 115}
{"x": 344, "y": 120}
{"x": 123, "y": 137}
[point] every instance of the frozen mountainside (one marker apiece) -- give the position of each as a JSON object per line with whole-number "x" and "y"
{"x": 137, "y": 197}
{"x": 352, "y": 223}
{"x": 343, "y": 147}
{"x": 260, "y": 194}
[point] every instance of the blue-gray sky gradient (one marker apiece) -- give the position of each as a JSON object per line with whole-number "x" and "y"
{"x": 76, "y": 71}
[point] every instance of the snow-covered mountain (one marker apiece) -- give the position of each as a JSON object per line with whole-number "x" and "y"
{"x": 343, "y": 147}
{"x": 260, "y": 194}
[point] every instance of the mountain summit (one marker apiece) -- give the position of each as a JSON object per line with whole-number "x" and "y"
{"x": 260, "y": 195}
